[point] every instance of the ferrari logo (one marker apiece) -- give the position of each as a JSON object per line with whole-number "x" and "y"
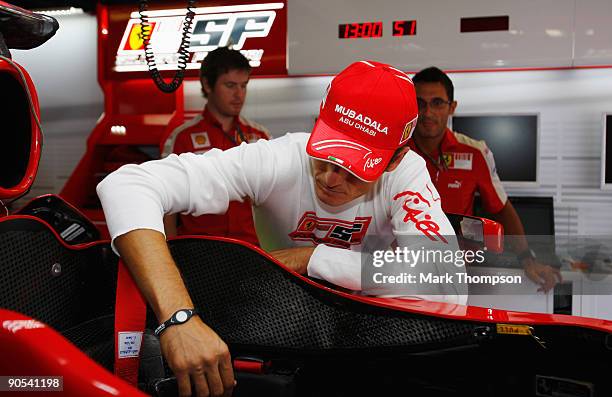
{"x": 407, "y": 133}
{"x": 448, "y": 159}
{"x": 135, "y": 41}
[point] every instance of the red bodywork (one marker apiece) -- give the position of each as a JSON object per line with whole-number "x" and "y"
{"x": 12, "y": 192}
{"x": 33, "y": 349}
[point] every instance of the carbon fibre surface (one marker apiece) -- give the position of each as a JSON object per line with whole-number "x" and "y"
{"x": 251, "y": 301}
{"x": 71, "y": 290}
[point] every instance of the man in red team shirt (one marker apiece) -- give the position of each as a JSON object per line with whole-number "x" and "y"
{"x": 224, "y": 75}
{"x": 460, "y": 166}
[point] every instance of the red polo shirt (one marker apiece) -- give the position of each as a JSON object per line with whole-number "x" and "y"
{"x": 199, "y": 135}
{"x": 464, "y": 167}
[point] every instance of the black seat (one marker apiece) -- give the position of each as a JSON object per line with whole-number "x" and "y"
{"x": 67, "y": 221}
{"x": 321, "y": 342}
{"x": 70, "y": 289}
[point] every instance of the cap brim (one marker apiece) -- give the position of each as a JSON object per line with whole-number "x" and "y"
{"x": 365, "y": 162}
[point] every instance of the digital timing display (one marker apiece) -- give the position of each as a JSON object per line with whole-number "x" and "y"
{"x": 363, "y": 30}
{"x": 404, "y": 28}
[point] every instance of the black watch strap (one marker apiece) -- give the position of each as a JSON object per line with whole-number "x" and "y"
{"x": 527, "y": 254}
{"x": 179, "y": 317}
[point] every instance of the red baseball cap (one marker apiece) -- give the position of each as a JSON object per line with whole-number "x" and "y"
{"x": 368, "y": 112}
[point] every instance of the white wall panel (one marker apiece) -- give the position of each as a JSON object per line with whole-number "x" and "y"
{"x": 570, "y": 104}
{"x": 64, "y": 70}
{"x": 540, "y": 34}
{"x": 593, "y": 45}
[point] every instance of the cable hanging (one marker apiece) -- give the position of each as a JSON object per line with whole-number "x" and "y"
{"x": 183, "y": 54}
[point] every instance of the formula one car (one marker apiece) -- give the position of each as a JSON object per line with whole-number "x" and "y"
{"x": 289, "y": 335}
{"x": 69, "y": 311}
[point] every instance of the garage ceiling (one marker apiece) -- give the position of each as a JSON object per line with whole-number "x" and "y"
{"x": 87, "y": 5}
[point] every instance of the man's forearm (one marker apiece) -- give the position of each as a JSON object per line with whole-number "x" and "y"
{"x": 146, "y": 254}
{"x": 170, "y": 225}
{"x": 512, "y": 227}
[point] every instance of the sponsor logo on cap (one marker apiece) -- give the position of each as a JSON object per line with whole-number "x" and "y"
{"x": 408, "y": 128}
{"x": 359, "y": 121}
{"x": 371, "y": 163}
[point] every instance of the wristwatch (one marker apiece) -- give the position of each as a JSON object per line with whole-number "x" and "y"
{"x": 179, "y": 317}
{"x": 527, "y": 254}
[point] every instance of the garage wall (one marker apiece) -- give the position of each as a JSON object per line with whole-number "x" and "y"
{"x": 570, "y": 104}
{"x": 64, "y": 72}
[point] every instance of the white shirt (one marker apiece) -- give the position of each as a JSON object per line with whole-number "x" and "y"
{"x": 276, "y": 175}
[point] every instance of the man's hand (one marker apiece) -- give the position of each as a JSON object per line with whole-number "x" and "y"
{"x": 545, "y": 276}
{"x": 296, "y": 258}
{"x": 198, "y": 357}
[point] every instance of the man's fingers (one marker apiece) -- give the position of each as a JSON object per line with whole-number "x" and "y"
{"x": 184, "y": 385}
{"x": 227, "y": 374}
{"x": 535, "y": 276}
{"x": 549, "y": 284}
{"x": 197, "y": 355}
{"x": 200, "y": 382}
{"x": 550, "y": 275}
{"x": 214, "y": 381}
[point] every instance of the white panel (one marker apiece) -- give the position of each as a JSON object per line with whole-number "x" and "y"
{"x": 593, "y": 44}
{"x": 541, "y": 34}
{"x": 516, "y": 297}
{"x": 579, "y": 173}
{"x": 596, "y": 306}
{"x": 570, "y": 104}
{"x": 64, "y": 68}
{"x": 64, "y": 71}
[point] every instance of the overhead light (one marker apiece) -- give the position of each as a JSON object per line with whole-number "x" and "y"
{"x": 61, "y": 11}
{"x": 554, "y": 32}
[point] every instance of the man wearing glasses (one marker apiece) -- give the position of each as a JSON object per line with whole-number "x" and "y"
{"x": 460, "y": 166}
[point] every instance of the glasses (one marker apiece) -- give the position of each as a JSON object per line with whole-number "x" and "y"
{"x": 435, "y": 104}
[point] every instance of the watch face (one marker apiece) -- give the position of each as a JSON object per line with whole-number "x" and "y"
{"x": 181, "y": 316}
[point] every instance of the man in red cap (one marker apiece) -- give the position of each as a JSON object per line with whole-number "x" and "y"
{"x": 352, "y": 179}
